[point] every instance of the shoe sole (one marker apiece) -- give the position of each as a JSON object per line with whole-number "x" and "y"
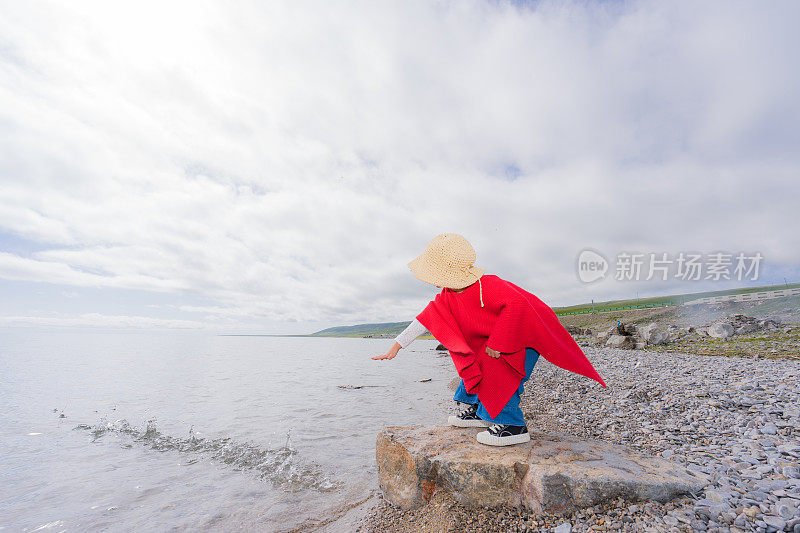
{"x": 484, "y": 437}
{"x": 461, "y": 423}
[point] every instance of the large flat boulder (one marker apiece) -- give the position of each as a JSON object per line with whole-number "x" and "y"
{"x": 551, "y": 473}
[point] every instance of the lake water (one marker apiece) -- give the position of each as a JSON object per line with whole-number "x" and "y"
{"x": 155, "y": 431}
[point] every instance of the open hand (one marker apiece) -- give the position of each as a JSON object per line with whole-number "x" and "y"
{"x": 390, "y": 354}
{"x": 492, "y": 353}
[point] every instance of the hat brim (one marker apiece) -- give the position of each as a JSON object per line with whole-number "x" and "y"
{"x": 442, "y": 277}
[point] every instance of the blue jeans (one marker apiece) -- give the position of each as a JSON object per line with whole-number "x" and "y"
{"x": 511, "y": 414}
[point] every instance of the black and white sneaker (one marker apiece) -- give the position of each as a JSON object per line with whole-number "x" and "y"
{"x": 467, "y": 418}
{"x": 504, "y": 435}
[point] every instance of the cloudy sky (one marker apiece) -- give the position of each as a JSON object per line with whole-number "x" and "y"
{"x": 271, "y": 167}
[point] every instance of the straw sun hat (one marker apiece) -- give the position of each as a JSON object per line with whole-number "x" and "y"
{"x": 447, "y": 262}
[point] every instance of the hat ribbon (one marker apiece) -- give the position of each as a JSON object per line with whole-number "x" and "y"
{"x": 465, "y": 269}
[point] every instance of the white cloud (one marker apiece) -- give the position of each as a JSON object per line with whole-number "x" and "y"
{"x": 285, "y": 161}
{"x": 97, "y": 320}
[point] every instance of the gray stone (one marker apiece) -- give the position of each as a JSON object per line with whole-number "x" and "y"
{"x": 621, "y": 341}
{"x": 717, "y": 495}
{"x": 746, "y": 401}
{"x": 789, "y": 448}
{"x": 746, "y": 328}
{"x": 763, "y": 469}
{"x": 551, "y": 473}
{"x": 720, "y": 330}
{"x": 772, "y": 484}
{"x": 769, "y": 429}
{"x": 654, "y": 334}
{"x": 566, "y": 527}
{"x": 775, "y": 521}
{"x": 716, "y": 511}
{"x": 603, "y": 336}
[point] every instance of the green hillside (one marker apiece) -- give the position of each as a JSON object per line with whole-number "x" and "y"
{"x": 661, "y": 301}
{"x": 394, "y": 328}
{"x": 362, "y": 330}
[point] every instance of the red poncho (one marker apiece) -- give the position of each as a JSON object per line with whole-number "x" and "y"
{"x": 511, "y": 320}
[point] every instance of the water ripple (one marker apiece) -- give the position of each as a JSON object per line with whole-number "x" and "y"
{"x": 282, "y": 467}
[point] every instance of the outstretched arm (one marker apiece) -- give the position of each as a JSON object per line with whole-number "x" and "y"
{"x": 414, "y": 330}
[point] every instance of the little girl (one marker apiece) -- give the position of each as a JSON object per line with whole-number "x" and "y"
{"x": 494, "y": 331}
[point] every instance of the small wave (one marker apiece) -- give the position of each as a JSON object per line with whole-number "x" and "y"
{"x": 49, "y": 525}
{"x": 282, "y": 467}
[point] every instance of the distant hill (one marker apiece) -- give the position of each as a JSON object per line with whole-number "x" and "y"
{"x": 363, "y": 330}
{"x": 663, "y": 301}
{"x": 392, "y": 329}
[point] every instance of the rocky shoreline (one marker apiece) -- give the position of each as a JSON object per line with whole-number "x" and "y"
{"x": 738, "y": 335}
{"x": 734, "y": 419}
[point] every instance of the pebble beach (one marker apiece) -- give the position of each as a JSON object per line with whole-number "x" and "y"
{"x": 735, "y": 419}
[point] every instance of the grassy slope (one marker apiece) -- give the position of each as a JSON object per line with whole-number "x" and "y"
{"x": 393, "y": 328}
{"x": 674, "y": 299}
{"x": 361, "y": 330}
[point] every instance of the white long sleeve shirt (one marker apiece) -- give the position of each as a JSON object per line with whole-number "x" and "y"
{"x": 414, "y": 330}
